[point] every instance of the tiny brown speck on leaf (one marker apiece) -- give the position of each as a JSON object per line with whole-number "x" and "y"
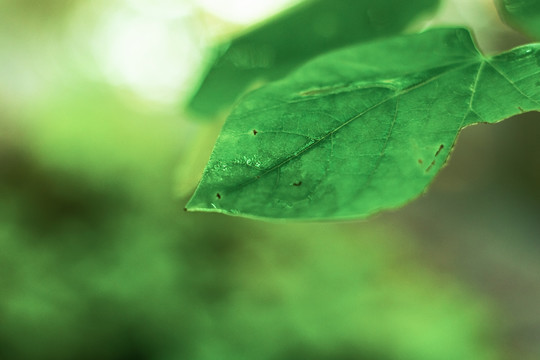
{"x": 440, "y": 149}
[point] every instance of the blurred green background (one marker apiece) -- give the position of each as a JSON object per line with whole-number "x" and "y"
{"x": 98, "y": 260}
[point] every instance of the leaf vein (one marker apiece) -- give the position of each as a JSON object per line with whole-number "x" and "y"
{"x": 513, "y": 83}
{"x": 314, "y": 142}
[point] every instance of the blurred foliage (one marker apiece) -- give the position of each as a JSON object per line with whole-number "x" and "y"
{"x": 523, "y": 15}
{"x": 37, "y": 11}
{"x": 274, "y": 48}
{"x": 98, "y": 260}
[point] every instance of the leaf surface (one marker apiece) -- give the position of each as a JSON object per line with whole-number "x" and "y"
{"x": 273, "y": 49}
{"x": 524, "y": 15}
{"x": 361, "y": 129}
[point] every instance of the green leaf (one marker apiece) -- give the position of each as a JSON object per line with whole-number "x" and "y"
{"x": 524, "y": 15}
{"x": 273, "y": 49}
{"x": 361, "y": 129}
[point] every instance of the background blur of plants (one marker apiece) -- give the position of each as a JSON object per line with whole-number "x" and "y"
{"x": 98, "y": 260}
